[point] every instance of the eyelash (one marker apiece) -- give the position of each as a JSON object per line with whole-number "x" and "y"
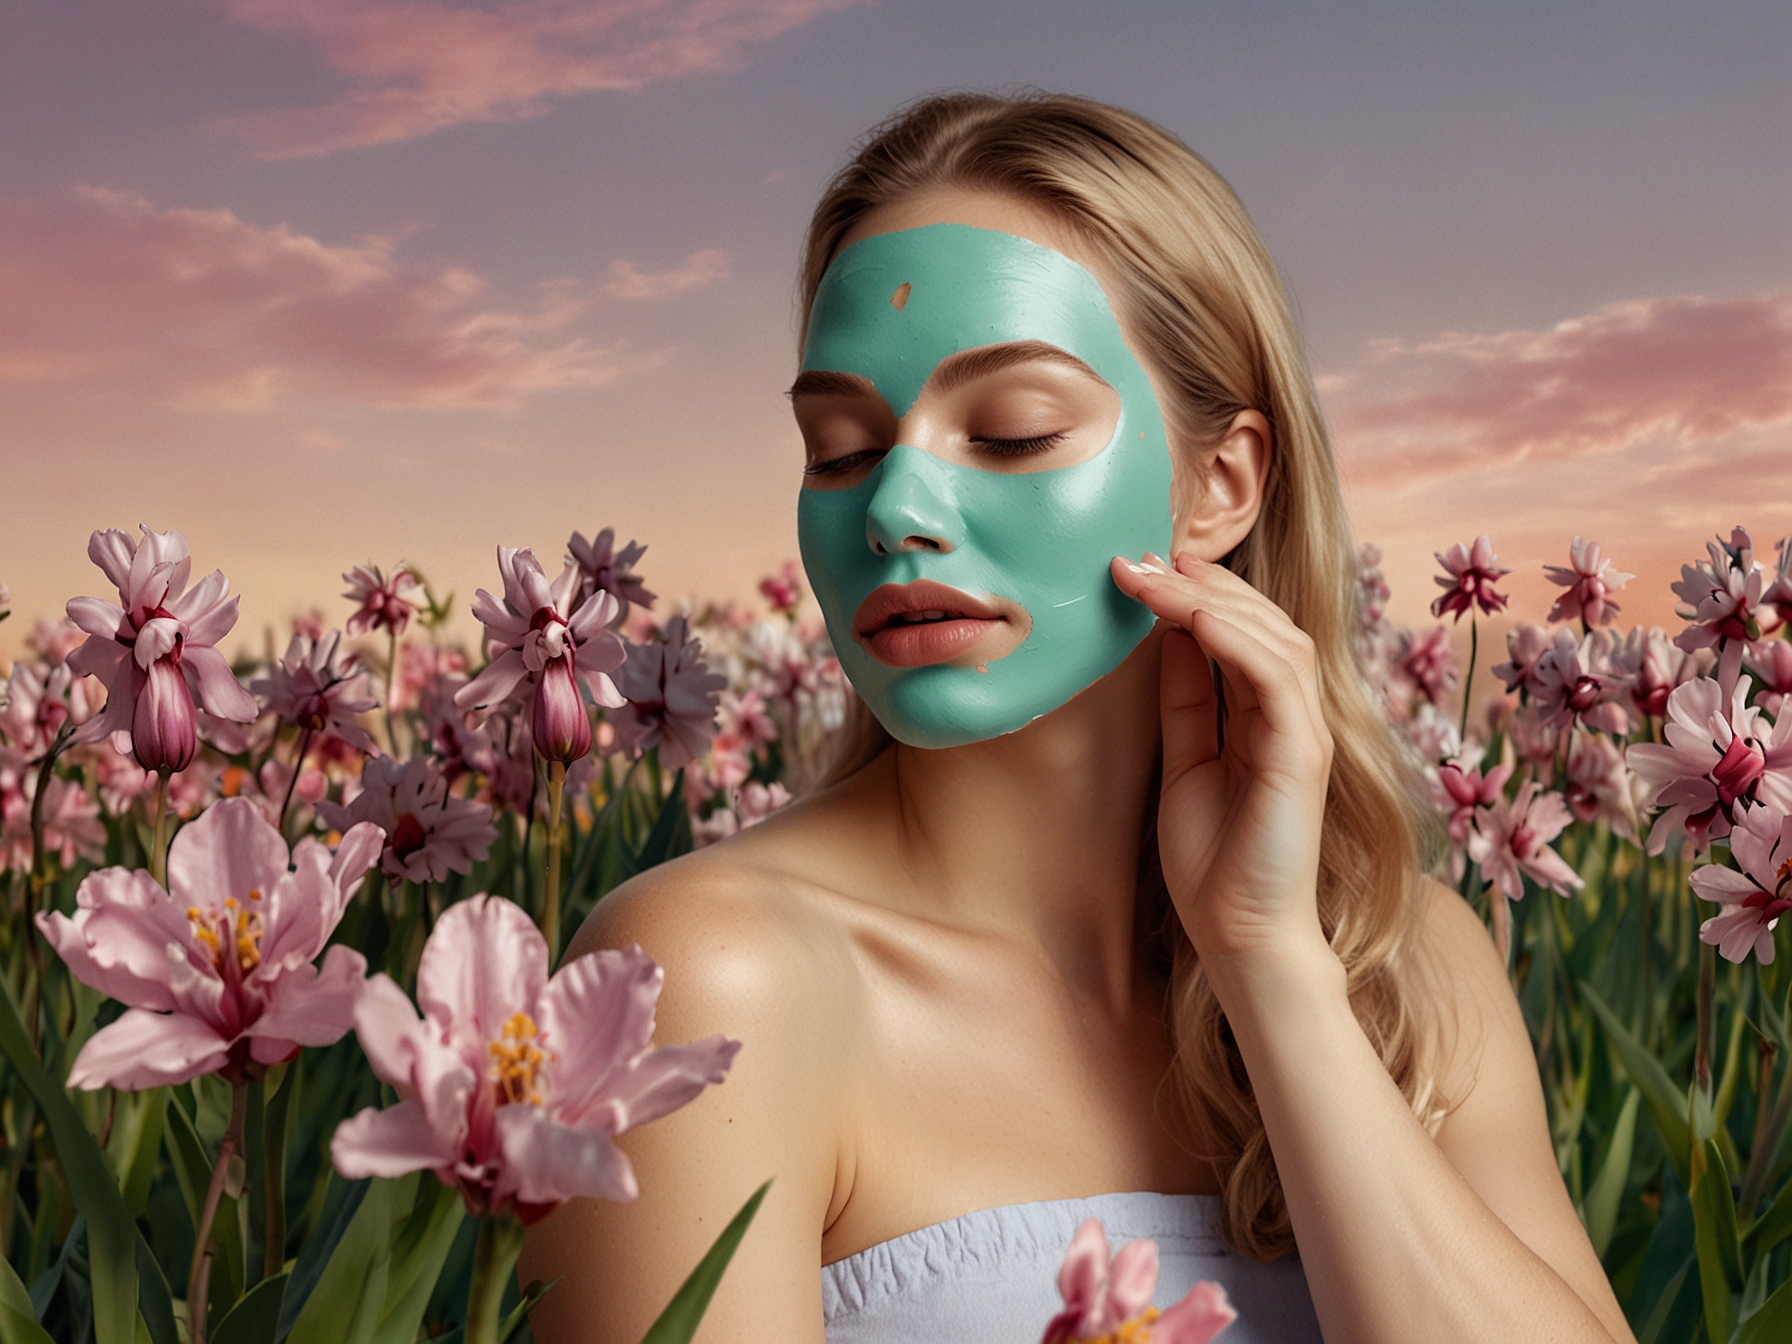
{"x": 1019, "y": 447}
{"x": 840, "y": 466}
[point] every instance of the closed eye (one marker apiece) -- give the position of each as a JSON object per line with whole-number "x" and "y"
{"x": 1018, "y": 447}
{"x": 841, "y": 466}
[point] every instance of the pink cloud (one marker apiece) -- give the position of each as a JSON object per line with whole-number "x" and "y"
{"x": 1684, "y": 369}
{"x": 417, "y": 66}
{"x": 104, "y": 289}
{"x": 694, "y": 272}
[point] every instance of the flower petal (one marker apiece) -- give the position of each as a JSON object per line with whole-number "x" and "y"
{"x": 1085, "y": 1267}
{"x": 545, "y": 1162}
{"x": 231, "y": 850}
{"x": 597, "y": 1015}
{"x": 388, "y": 1143}
{"x": 659, "y": 1081}
{"x": 144, "y": 1049}
{"x": 1197, "y": 1318}
{"x": 215, "y": 686}
{"x": 484, "y": 963}
{"x": 1132, "y": 1279}
{"x": 307, "y": 1006}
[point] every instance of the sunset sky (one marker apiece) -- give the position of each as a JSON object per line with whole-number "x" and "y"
{"x": 320, "y": 282}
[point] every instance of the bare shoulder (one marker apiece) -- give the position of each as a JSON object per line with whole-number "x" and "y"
{"x": 752, "y": 950}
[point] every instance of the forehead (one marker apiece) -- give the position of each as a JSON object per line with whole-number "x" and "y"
{"x": 893, "y": 305}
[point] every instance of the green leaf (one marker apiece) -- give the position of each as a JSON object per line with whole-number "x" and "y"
{"x": 345, "y": 1306}
{"x": 1773, "y": 1226}
{"x": 527, "y": 1303}
{"x": 1664, "y": 1307}
{"x": 1666, "y": 1102}
{"x": 1772, "y": 1324}
{"x": 111, "y": 1231}
{"x": 1719, "y": 1248}
{"x": 679, "y": 1321}
{"x": 671, "y": 833}
{"x": 320, "y": 1247}
{"x": 417, "y": 1258}
{"x": 136, "y": 1144}
{"x": 1601, "y": 1210}
{"x": 255, "y": 1317}
{"x": 18, "y": 1323}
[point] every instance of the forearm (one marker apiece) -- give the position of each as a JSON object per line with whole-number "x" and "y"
{"x": 1395, "y": 1244}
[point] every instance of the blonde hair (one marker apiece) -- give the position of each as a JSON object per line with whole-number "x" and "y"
{"x": 1200, "y": 296}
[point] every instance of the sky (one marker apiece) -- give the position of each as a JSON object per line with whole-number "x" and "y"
{"x": 327, "y": 282}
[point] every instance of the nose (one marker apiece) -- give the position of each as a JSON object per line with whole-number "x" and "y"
{"x": 909, "y": 511}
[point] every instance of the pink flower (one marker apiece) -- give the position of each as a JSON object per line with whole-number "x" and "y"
{"x": 1428, "y": 660}
{"x": 1779, "y": 593}
{"x": 517, "y": 1083}
{"x": 1758, "y": 895}
{"x": 1655, "y": 666}
{"x": 1576, "y": 682}
{"x": 1600, "y": 784}
{"x": 1372, "y": 591}
{"x": 747, "y": 806}
{"x": 1771, "y": 660}
{"x": 157, "y": 653}
{"x": 602, "y": 569}
{"x": 34, "y": 707}
{"x": 1511, "y": 842}
{"x": 1590, "y": 581}
{"x": 559, "y": 723}
{"x": 1534, "y": 741}
{"x": 72, "y": 826}
{"x": 671, "y": 698}
{"x": 1112, "y": 1302}
{"x": 429, "y": 832}
{"x": 783, "y": 589}
{"x": 1460, "y": 793}
{"x": 1471, "y": 574}
{"x": 539, "y": 623}
{"x": 318, "y": 688}
{"x": 1721, "y": 755}
{"x": 1723, "y": 602}
{"x": 458, "y": 749}
{"x": 419, "y": 667}
{"x": 217, "y": 970}
{"x": 381, "y": 603}
{"x": 1525, "y": 646}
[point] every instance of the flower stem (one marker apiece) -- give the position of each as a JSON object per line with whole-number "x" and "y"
{"x": 38, "y": 878}
{"x": 158, "y": 854}
{"x": 1468, "y": 682}
{"x": 494, "y": 1261}
{"x": 1502, "y": 923}
{"x": 273, "y": 1255}
{"x": 391, "y": 681}
{"x": 550, "y": 898}
{"x": 1701, "y": 1059}
{"x": 298, "y": 764}
{"x": 199, "y": 1276}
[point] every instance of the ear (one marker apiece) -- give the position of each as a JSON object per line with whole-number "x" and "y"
{"x": 1219, "y": 505}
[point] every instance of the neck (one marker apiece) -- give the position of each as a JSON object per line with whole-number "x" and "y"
{"x": 1035, "y": 835}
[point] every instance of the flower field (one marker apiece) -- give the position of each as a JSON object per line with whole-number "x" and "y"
{"x": 290, "y": 1051}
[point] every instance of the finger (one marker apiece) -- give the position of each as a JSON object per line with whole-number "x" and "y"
{"x": 1276, "y": 683}
{"x": 1188, "y": 705}
{"x": 1172, "y": 594}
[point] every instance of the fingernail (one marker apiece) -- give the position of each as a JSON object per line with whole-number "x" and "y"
{"x": 1136, "y": 569}
{"x": 1155, "y": 563}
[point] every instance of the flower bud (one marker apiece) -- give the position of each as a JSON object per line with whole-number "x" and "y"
{"x": 164, "y": 735}
{"x": 561, "y": 723}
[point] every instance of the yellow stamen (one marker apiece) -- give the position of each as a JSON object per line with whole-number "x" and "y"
{"x": 1135, "y": 1331}
{"x": 517, "y": 1062}
{"x": 243, "y": 927}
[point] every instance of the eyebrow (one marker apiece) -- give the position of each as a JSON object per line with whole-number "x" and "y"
{"x": 954, "y": 371}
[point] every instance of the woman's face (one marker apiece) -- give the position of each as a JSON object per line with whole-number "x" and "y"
{"x": 980, "y": 442}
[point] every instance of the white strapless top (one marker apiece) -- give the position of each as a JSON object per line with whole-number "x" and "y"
{"x": 991, "y": 1277}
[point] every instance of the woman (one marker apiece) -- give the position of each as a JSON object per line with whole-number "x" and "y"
{"x": 1116, "y": 906}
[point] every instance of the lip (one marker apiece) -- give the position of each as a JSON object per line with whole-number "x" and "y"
{"x": 970, "y": 631}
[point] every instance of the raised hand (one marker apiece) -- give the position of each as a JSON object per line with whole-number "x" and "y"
{"x": 1240, "y": 815}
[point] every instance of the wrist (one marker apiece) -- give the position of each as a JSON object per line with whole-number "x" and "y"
{"x": 1286, "y": 980}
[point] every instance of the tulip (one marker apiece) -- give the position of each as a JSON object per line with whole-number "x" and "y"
{"x": 559, "y": 722}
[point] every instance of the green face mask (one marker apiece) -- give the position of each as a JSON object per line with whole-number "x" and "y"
{"x": 1040, "y": 539}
